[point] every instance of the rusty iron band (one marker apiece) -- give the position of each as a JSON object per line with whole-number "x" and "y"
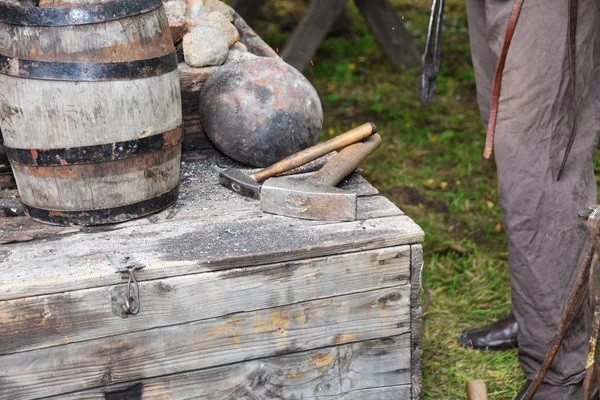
{"x": 105, "y": 215}
{"x": 66, "y": 16}
{"x": 95, "y": 154}
{"x": 83, "y": 71}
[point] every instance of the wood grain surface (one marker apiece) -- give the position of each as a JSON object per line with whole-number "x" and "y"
{"x": 235, "y": 303}
{"x": 45, "y": 321}
{"x": 208, "y": 229}
{"x": 137, "y": 37}
{"x": 375, "y": 369}
{"x": 208, "y": 343}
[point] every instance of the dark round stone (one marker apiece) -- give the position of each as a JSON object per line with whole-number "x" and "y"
{"x": 260, "y": 110}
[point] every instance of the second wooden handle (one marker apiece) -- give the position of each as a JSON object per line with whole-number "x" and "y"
{"x": 346, "y": 161}
{"x": 312, "y": 153}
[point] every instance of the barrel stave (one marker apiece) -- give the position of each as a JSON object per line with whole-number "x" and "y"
{"x": 65, "y": 117}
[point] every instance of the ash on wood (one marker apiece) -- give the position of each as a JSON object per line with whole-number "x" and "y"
{"x": 234, "y": 303}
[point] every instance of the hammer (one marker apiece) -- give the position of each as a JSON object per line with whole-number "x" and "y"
{"x": 317, "y": 198}
{"x": 249, "y": 185}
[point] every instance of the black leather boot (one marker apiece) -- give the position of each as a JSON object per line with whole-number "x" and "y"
{"x": 501, "y": 335}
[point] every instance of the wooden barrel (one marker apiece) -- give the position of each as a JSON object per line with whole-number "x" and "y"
{"x": 90, "y": 108}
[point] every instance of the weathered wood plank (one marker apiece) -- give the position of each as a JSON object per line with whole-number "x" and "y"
{"x": 387, "y": 393}
{"x": 416, "y": 320}
{"x": 194, "y": 135}
{"x": 137, "y": 37}
{"x": 150, "y": 106}
{"x": 311, "y": 30}
{"x": 45, "y": 321}
{"x": 209, "y": 228}
{"x": 219, "y": 341}
{"x": 96, "y": 186}
{"x": 335, "y": 372}
{"x": 192, "y": 80}
{"x": 194, "y": 194}
{"x": 253, "y": 42}
{"x": 397, "y": 44}
{"x": 173, "y": 248}
{"x": 23, "y": 229}
{"x": 198, "y": 177}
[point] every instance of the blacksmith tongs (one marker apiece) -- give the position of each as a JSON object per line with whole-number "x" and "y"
{"x": 431, "y": 56}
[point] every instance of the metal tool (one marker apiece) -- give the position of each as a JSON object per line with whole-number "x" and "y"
{"x": 431, "y": 56}
{"x": 126, "y": 298}
{"x": 317, "y": 198}
{"x": 249, "y": 185}
{"x": 588, "y": 281}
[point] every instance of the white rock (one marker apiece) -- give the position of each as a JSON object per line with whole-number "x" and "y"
{"x": 238, "y": 53}
{"x": 205, "y": 46}
{"x": 219, "y": 6}
{"x": 175, "y": 9}
{"x": 240, "y": 46}
{"x": 195, "y": 8}
{"x": 219, "y": 21}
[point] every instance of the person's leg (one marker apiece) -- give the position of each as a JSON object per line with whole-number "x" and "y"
{"x": 483, "y": 58}
{"x": 545, "y": 237}
{"x": 502, "y": 334}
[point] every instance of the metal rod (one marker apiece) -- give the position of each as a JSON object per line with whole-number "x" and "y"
{"x": 431, "y": 55}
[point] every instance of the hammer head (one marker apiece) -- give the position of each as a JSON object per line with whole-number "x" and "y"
{"x": 240, "y": 183}
{"x": 300, "y": 199}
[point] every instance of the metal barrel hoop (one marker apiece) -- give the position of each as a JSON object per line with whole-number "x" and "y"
{"x": 94, "y": 154}
{"x": 81, "y": 15}
{"x": 104, "y": 215}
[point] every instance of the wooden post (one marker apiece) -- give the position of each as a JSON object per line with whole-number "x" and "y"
{"x": 389, "y": 31}
{"x": 311, "y": 30}
{"x": 476, "y": 390}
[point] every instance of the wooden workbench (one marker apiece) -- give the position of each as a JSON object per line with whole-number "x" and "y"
{"x": 234, "y": 303}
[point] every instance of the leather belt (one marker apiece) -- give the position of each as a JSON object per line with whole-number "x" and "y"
{"x": 510, "y": 30}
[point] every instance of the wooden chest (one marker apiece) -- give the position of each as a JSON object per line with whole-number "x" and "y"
{"x": 233, "y": 303}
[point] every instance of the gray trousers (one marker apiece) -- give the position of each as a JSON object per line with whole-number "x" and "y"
{"x": 546, "y": 240}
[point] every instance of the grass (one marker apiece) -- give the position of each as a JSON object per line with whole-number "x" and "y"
{"x": 431, "y": 166}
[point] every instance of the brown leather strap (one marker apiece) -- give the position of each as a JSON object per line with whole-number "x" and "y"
{"x": 573, "y": 71}
{"x": 510, "y": 30}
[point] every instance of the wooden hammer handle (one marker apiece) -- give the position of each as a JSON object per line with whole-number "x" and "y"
{"x": 476, "y": 390}
{"x": 346, "y": 161}
{"x": 312, "y": 153}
